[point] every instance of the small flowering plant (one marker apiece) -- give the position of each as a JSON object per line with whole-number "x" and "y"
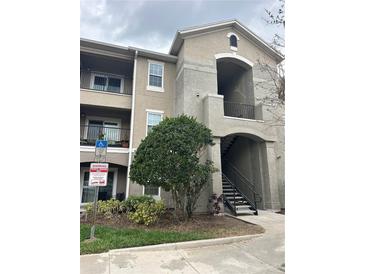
{"x": 216, "y": 202}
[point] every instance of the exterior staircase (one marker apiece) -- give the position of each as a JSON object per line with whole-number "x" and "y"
{"x": 235, "y": 200}
{"x": 227, "y": 143}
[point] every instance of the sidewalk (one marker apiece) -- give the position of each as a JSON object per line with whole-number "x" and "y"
{"x": 262, "y": 254}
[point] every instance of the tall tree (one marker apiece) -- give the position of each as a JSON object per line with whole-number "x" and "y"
{"x": 170, "y": 157}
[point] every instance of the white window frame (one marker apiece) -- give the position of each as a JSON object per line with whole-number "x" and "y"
{"x": 107, "y": 75}
{"x": 153, "y": 111}
{"x": 158, "y": 197}
{"x": 153, "y": 88}
{"x": 115, "y": 182}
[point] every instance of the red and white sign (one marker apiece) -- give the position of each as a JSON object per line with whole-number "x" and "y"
{"x": 98, "y": 174}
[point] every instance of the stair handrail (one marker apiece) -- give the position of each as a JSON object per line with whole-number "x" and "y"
{"x": 236, "y": 170}
{"x": 253, "y": 203}
{"x": 234, "y": 193}
{"x": 234, "y": 174}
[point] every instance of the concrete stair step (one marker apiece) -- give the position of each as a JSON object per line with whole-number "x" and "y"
{"x": 237, "y": 198}
{"x": 232, "y": 197}
{"x": 243, "y": 207}
{"x": 244, "y": 211}
{"x": 242, "y": 203}
{"x": 232, "y": 194}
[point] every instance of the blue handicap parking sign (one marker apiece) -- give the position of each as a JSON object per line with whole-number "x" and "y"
{"x": 101, "y": 143}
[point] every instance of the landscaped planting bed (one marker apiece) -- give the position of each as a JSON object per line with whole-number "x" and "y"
{"x": 119, "y": 232}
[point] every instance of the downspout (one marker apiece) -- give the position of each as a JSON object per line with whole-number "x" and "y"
{"x": 132, "y": 123}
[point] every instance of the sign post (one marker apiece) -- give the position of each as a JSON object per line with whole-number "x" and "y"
{"x": 98, "y": 175}
{"x": 101, "y": 147}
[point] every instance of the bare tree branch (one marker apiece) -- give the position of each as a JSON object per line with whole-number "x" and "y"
{"x": 273, "y": 86}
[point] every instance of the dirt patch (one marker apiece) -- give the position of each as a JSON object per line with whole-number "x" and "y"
{"x": 218, "y": 226}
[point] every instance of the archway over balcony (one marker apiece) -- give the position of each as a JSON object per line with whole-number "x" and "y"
{"x": 235, "y": 83}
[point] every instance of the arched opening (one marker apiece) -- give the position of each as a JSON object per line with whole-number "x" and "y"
{"x": 235, "y": 83}
{"x": 242, "y": 169}
{"x": 233, "y": 41}
{"x": 115, "y": 188}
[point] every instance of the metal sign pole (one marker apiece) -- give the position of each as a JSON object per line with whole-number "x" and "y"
{"x": 92, "y": 232}
{"x": 100, "y": 154}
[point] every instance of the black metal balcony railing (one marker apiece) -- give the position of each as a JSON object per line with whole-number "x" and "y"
{"x": 117, "y": 137}
{"x": 239, "y": 110}
{"x": 108, "y": 85}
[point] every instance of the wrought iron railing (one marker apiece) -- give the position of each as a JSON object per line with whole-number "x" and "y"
{"x": 117, "y": 137}
{"x": 241, "y": 183}
{"x": 234, "y": 109}
{"x": 87, "y": 83}
{"x": 231, "y": 205}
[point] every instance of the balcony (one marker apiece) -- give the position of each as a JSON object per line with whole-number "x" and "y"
{"x": 117, "y": 137}
{"x": 104, "y": 82}
{"x": 239, "y": 110}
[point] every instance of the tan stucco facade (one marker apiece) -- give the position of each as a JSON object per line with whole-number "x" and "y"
{"x": 201, "y": 49}
{"x": 190, "y": 86}
{"x": 152, "y": 100}
{"x": 95, "y": 98}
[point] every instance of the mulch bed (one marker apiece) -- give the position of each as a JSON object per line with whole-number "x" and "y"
{"x": 219, "y": 226}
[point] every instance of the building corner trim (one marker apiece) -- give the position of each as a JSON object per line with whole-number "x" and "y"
{"x": 132, "y": 123}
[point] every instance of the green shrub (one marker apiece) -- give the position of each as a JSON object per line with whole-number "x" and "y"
{"x": 147, "y": 213}
{"x": 130, "y": 205}
{"x": 108, "y": 208}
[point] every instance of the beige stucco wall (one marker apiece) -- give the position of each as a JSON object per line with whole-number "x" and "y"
{"x": 196, "y": 90}
{"x": 150, "y": 100}
{"x": 188, "y": 85}
{"x": 201, "y": 49}
{"x": 153, "y": 100}
{"x": 115, "y": 158}
{"x": 105, "y": 99}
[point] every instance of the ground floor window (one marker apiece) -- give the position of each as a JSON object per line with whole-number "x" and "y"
{"x": 151, "y": 191}
{"x": 88, "y": 192}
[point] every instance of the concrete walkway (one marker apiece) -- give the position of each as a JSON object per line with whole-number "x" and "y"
{"x": 263, "y": 254}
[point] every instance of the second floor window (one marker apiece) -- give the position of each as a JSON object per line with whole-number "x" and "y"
{"x": 108, "y": 83}
{"x": 155, "y": 75}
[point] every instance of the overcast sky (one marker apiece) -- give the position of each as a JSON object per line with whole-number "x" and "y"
{"x": 153, "y": 24}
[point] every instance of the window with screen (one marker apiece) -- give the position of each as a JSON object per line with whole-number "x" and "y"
{"x": 108, "y": 83}
{"x": 152, "y": 120}
{"x": 155, "y": 76}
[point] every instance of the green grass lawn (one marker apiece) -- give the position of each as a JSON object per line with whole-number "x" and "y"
{"x": 111, "y": 238}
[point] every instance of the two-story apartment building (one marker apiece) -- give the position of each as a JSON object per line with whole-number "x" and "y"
{"x": 211, "y": 72}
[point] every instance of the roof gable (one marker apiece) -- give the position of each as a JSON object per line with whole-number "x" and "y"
{"x": 243, "y": 30}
